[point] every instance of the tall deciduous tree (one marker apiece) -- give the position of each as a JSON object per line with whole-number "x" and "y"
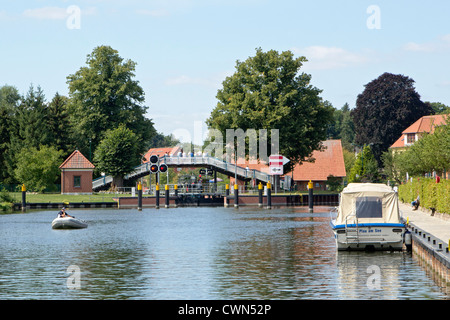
{"x": 38, "y": 168}
{"x": 118, "y": 153}
{"x": 104, "y": 94}
{"x": 268, "y": 91}
{"x": 386, "y": 107}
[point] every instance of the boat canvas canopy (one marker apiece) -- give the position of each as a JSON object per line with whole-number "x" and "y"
{"x": 369, "y": 203}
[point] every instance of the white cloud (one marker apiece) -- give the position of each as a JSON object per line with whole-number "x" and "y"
{"x": 440, "y": 44}
{"x": 325, "y": 58}
{"x": 46, "y": 13}
{"x": 416, "y": 47}
{"x": 54, "y": 13}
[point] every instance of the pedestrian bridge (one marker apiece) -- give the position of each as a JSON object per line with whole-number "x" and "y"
{"x": 196, "y": 161}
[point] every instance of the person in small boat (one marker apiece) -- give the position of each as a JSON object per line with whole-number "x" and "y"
{"x": 64, "y": 214}
{"x": 415, "y": 204}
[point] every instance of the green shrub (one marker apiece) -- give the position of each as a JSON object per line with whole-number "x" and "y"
{"x": 432, "y": 194}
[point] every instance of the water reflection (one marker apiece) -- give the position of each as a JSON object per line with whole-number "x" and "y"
{"x": 293, "y": 260}
{"x": 197, "y": 253}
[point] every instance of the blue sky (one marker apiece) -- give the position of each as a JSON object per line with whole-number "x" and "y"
{"x": 184, "y": 49}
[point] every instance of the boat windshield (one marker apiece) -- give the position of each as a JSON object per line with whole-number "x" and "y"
{"x": 369, "y": 207}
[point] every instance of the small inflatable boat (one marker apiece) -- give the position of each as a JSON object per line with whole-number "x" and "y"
{"x": 68, "y": 223}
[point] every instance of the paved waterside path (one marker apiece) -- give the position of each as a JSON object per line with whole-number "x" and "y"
{"x": 434, "y": 225}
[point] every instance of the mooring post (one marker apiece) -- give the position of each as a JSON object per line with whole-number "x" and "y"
{"x": 175, "y": 187}
{"x": 227, "y": 194}
{"x": 269, "y": 195}
{"x": 157, "y": 196}
{"x": 139, "y": 187}
{"x": 236, "y": 195}
{"x": 310, "y": 196}
{"x": 24, "y": 198}
{"x": 167, "y": 195}
{"x": 260, "y": 195}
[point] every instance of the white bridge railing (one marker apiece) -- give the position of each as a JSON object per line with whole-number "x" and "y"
{"x": 230, "y": 168}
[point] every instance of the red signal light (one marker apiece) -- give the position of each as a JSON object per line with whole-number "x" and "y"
{"x": 163, "y": 168}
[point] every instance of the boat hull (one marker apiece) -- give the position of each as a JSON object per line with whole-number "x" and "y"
{"x": 388, "y": 237}
{"x": 68, "y": 223}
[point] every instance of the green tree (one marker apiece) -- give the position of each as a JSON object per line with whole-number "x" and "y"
{"x": 9, "y": 100}
{"x": 104, "y": 95}
{"x": 29, "y": 127}
{"x": 439, "y": 108}
{"x": 60, "y": 129}
{"x": 31, "y": 119}
{"x": 160, "y": 140}
{"x": 342, "y": 127}
{"x": 387, "y": 106}
{"x": 365, "y": 168}
{"x": 268, "y": 91}
{"x": 118, "y": 154}
{"x": 37, "y": 168}
{"x": 349, "y": 160}
{"x": 430, "y": 153}
{"x": 392, "y": 165}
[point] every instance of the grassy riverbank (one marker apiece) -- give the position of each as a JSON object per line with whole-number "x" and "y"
{"x": 63, "y": 198}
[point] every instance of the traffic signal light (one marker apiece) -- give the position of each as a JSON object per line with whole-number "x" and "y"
{"x": 154, "y": 168}
{"x": 163, "y": 168}
{"x": 154, "y": 159}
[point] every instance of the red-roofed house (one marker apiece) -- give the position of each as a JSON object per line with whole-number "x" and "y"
{"x": 76, "y": 174}
{"x": 160, "y": 152}
{"x": 328, "y": 163}
{"x": 426, "y": 124}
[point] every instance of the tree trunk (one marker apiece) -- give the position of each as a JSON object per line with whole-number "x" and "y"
{"x": 117, "y": 183}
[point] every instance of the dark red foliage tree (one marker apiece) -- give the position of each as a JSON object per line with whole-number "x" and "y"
{"x": 386, "y": 107}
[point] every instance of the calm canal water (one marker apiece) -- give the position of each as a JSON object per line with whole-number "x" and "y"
{"x": 197, "y": 253}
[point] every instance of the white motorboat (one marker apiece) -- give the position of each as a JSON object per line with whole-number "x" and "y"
{"x": 68, "y": 223}
{"x": 368, "y": 218}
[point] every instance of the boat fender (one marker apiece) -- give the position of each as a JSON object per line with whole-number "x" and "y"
{"x": 407, "y": 238}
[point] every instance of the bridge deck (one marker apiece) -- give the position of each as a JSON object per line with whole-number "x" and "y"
{"x": 199, "y": 161}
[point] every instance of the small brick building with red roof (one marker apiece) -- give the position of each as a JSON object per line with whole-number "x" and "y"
{"x": 76, "y": 174}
